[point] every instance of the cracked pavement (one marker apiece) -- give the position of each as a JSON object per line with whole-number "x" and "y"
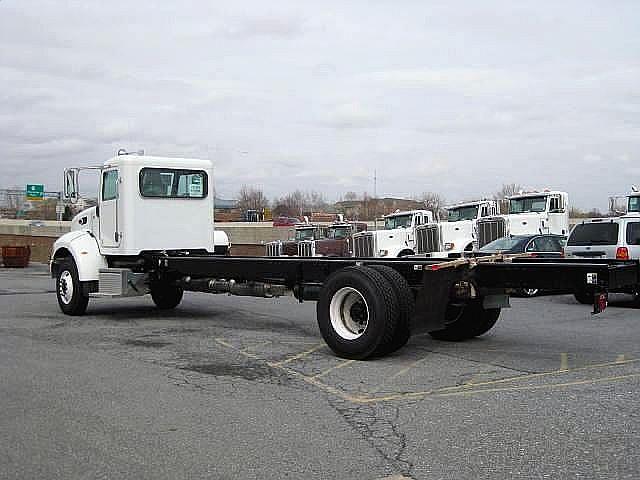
{"x": 228, "y": 387}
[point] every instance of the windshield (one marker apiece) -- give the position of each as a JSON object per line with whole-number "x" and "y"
{"x": 305, "y": 234}
{"x": 594, "y": 234}
{"x": 398, "y": 221}
{"x": 634, "y": 204}
{"x": 503, "y": 244}
{"x": 337, "y": 233}
{"x": 528, "y": 204}
{"x": 462, "y": 213}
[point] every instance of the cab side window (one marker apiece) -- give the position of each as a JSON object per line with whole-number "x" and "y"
{"x": 633, "y": 233}
{"x": 109, "y": 185}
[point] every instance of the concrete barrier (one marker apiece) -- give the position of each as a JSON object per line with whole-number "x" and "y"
{"x": 247, "y": 239}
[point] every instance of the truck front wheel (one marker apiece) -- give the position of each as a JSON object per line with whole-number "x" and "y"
{"x": 71, "y": 297}
{"x": 468, "y": 321}
{"x": 357, "y": 311}
{"x": 165, "y": 295}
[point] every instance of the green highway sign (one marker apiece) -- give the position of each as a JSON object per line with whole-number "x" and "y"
{"x": 35, "y": 191}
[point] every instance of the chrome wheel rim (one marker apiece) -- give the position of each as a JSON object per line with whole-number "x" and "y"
{"x": 349, "y": 313}
{"x": 530, "y": 292}
{"x": 65, "y": 287}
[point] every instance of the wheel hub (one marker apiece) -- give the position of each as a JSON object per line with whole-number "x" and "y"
{"x": 65, "y": 289}
{"x": 349, "y": 313}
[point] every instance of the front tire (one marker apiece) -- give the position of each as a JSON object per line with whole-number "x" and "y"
{"x": 71, "y": 297}
{"x": 165, "y": 295}
{"x": 357, "y": 311}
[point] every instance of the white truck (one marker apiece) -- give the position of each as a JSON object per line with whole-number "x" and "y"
{"x": 152, "y": 232}
{"x": 457, "y": 235}
{"x": 528, "y": 213}
{"x": 397, "y": 239}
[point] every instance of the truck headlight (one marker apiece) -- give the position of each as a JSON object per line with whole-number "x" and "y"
{"x": 383, "y": 253}
{"x": 449, "y": 246}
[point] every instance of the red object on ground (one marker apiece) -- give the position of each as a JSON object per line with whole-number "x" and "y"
{"x": 16, "y": 257}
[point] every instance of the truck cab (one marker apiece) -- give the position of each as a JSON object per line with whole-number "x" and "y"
{"x": 458, "y": 234}
{"x": 529, "y": 213}
{"x": 145, "y": 204}
{"x": 633, "y": 204}
{"x": 304, "y": 232}
{"x": 338, "y": 242}
{"x": 397, "y": 239}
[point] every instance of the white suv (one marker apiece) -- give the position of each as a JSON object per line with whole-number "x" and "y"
{"x": 616, "y": 237}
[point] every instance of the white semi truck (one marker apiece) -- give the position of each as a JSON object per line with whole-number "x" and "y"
{"x": 152, "y": 232}
{"x": 457, "y": 235}
{"x": 396, "y": 239}
{"x": 528, "y": 213}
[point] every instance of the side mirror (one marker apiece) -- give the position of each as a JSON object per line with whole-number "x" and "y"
{"x": 70, "y": 187}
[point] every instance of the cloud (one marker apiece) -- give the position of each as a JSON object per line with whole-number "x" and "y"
{"x": 275, "y": 26}
{"x": 461, "y": 80}
{"x": 432, "y": 96}
{"x": 353, "y": 115}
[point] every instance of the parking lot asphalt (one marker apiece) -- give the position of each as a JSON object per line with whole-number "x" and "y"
{"x": 228, "y": 387}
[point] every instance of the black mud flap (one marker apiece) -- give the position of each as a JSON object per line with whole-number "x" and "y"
{"x": 600, "y": 302}
{"x": 433, "y": 298}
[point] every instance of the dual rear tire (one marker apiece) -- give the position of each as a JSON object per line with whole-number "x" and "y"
{"x": 467, "y": 321}
{"x": 364, "y": 312}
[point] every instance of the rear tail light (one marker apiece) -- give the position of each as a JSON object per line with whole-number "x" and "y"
{"x": 622, "y": 253}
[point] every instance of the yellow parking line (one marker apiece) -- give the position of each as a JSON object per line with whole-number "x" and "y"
{"x": 300, "y": 355}
{"x": 255, "y": 345}
{"x": 564, "y": 362}
{"x": 457, "y": 390}
{"x": 329, "y": 370}
{"x": 469, "y": 392}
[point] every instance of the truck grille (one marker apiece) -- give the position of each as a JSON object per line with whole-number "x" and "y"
{"x": 307, "y": 248}
{"x": 490, "y": 229}
{"x": 364, "y": 245}
{"x": 274, "y": 249}
{"x": 428, "y": 239}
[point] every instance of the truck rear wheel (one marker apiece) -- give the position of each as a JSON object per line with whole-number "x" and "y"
{"x": 468, "y": 321}
{"x": 71, "y": 297}
{"x": 406, "y": 306}
{"x": 357, "y": 311}
{"x": 165, "y": 295}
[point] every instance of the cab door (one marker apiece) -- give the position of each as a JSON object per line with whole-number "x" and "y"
{"x": 109, "y": 235}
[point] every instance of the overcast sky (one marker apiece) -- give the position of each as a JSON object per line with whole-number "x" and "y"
{"x": 451, "y": 97}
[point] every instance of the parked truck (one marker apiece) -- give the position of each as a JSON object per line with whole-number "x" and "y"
{"x": 304, "y": 232}
{"x": 338, "y": 241}
{"x": 457, "y": 235}
{"x": 152, "y": 232}
{"x": 396, "y": 239}
{"x": 527, "y": 214}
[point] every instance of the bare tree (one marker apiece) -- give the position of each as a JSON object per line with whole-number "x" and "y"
{"x": 350, "y": 196}
{"x": 434, "y": 202}
{"x": 507, "y": 190}
{"x": 299, "y": 203}
{"x": 251, "y": 198}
